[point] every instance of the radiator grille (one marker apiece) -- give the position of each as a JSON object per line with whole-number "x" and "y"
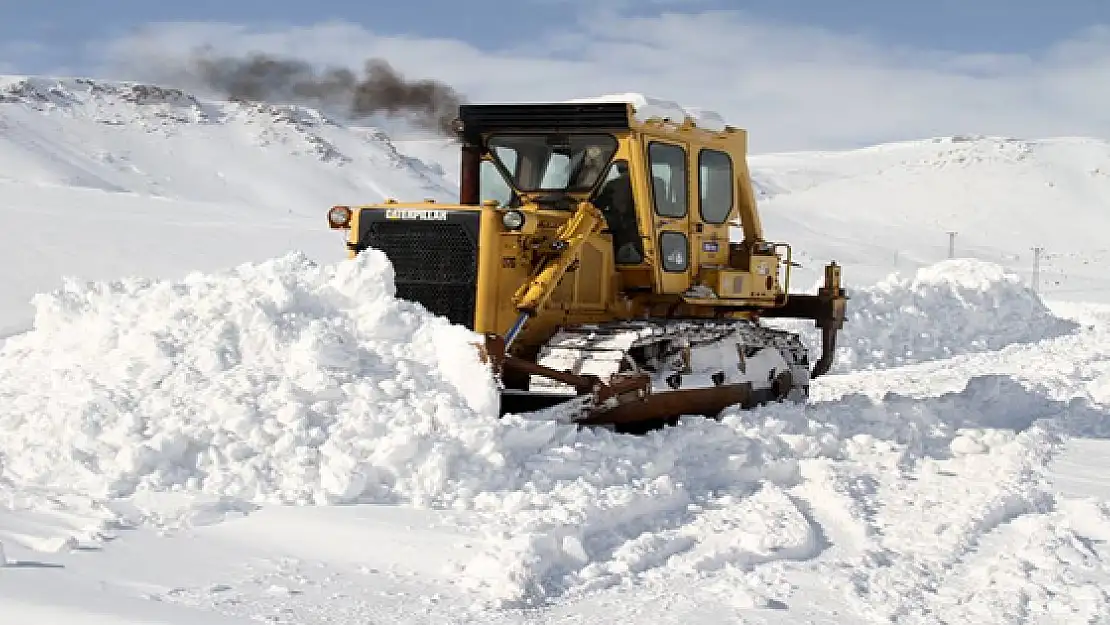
{"x": 435, "y": 263}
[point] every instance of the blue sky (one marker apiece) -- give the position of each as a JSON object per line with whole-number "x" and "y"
{"x": 958, "y": 25}
{"x": 809, "y": 73}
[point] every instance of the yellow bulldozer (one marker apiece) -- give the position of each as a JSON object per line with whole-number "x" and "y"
{"x": 592, "y": 250}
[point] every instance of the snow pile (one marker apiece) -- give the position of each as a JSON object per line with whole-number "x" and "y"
{"x": 648, "y": 107}
{"x": 283, "y": 380}
{"x": 588, "y": 511}
{"x": 296, "y": 382}
{"x": 946, "y": 309}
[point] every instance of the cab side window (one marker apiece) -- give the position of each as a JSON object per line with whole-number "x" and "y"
{"x": 668, "y": 172}
{"x": 492, "y": 185}
{"x": 715, "y": 186}
{"x": 615, "y": 200}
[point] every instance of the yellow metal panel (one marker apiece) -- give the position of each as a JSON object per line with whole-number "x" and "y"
{"x": 589, "y": 276}
{"x": 733, "y": 283}
{"x": 563, "y": 295}
{"x": 489, "y": 276}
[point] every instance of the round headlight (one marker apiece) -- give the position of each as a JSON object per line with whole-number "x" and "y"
{"x": 339, "y": 216}
{"x": 513, "y": 220}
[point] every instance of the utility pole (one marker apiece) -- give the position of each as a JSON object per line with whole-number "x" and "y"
{"x": 1037, "y": 251}
{"x": 951, "y": 244}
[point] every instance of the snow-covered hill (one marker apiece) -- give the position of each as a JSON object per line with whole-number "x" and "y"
{"x": 135, "y": 138}
{"x": 177, "y": 450}
{"x": 892, "y": 206}
{"x": 102, "y": 179}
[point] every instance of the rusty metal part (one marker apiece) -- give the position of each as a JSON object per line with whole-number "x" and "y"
{"x": 492, "y": 351}
{"x": 620, "y": 391}
{"x": 470, "y": 173}
{"x": 623, "y": 389}
{"x": 709, "y": 401}
{"x": 583, "y": 384}
{"x": 827, "y": 309}
{"x": 626, "y": 401}
{"x": 828, "y": 352}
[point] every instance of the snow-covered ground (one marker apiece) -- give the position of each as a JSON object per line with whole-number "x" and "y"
{"x": 195, "y": 438}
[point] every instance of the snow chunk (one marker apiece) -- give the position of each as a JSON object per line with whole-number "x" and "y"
{"x": 966, "y": 274}
{"x": 953, "y": 307}
{"x": 648, "y": 107}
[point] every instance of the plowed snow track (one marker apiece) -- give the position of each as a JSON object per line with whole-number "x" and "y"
{"x": 935, "y": 510}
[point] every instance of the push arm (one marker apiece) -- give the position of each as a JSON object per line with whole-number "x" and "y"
{"x": 587, "y": 221}
{"x": 561, "y": 254}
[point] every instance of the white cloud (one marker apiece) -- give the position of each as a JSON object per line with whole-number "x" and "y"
{"x": 793, "y": 87}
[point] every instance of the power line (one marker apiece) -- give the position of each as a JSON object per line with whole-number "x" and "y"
{"x": 1036, "y": 278}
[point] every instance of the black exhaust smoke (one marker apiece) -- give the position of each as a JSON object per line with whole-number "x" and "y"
{"x": 380, "y": 90}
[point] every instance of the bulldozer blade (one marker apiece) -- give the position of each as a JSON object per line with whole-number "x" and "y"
{"x": 639, "y": 415}
{"x": 516, "y": 402}
{"x": 667, "y": 407}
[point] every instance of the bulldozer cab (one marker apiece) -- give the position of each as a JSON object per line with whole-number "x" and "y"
{"x": 559, "y": 169}
{"x": 668, "y": 191}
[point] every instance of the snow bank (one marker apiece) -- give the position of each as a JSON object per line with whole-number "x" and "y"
{"x": 648, "y": 107}
{"x": 953, "y": 307}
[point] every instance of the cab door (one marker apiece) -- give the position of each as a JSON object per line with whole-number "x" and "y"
{"x": 714, "y": 203}
{"x": 669, "y": 191}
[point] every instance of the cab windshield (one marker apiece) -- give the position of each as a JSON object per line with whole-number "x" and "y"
{"x": 553, "y": 162}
